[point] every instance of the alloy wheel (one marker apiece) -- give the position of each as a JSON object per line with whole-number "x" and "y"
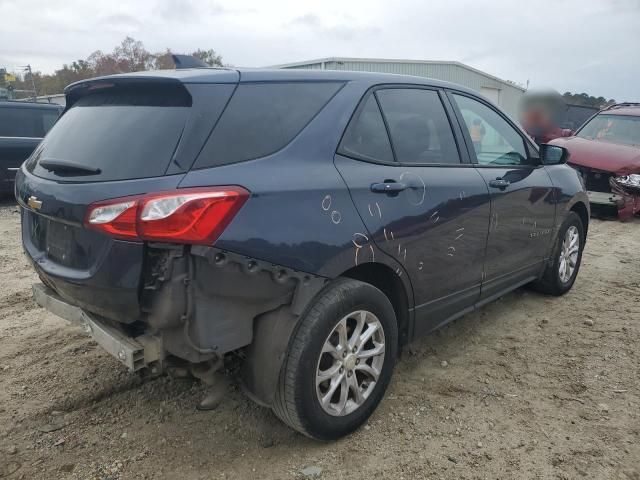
{"x": 569, "y": 254}
{"x": 350, "y": 363}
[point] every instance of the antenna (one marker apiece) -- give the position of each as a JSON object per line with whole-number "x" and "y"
{"x": 187, "y": 61}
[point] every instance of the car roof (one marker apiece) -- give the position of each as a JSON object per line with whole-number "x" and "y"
{"x": 36, "y": 105}
{"x": 630, "y": 111}
{"x": 233, "y": 75}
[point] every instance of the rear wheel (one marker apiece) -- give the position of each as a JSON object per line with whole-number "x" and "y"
{"x": 560, "y": 274}
{"x": 339, "y": 362}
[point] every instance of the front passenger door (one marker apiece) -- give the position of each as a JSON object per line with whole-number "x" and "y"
{"x": 522, "y": 196}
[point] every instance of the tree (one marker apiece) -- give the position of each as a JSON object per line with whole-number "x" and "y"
{"x": 210, "y": 57}
{"x": 129, "y": 56}
{"x": 586, "y": 100}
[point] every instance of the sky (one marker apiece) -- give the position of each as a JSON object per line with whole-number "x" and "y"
{"x": 588, "y": 46}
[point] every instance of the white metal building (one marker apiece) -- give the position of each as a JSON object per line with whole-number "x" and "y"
{"x": 503, "y": 93}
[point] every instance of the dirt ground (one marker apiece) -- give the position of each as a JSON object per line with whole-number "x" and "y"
{"x": 527, "y": 387}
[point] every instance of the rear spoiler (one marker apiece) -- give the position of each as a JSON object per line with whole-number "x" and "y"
{"x": 77, "y": 90}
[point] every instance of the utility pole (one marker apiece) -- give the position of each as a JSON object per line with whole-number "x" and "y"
{"x": 27, "y": 68}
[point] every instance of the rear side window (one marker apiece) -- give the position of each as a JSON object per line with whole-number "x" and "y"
{"x": 366, "y": 137}
{"x": 262, "y": 118}
{"x": 125, "y": 132}
{"x": 419, "y": 126}
{"x": 26, "y": 122}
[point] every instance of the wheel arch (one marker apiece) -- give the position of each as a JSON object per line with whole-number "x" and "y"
{"x": 388, "y": 282}
{"x": 583, "y": 212}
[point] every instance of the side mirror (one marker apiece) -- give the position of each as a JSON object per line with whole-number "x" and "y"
{"x": 553, "y": 155}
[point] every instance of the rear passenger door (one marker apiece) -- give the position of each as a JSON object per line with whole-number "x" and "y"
{"x": 522, "y": 195}
{"x": 419, "y": 196}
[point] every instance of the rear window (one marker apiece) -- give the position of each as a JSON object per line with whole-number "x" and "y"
{"x": 262, "y": 118}
{"x": 419, "y": 127}
{"x": 366, "y": 137}
{"x": 26, "y": 122}
{"x": 126, "y": 133}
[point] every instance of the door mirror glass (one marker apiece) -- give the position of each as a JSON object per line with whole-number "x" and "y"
{"x": 553, "y": 155}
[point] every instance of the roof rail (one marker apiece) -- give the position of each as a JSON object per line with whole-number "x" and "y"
{"x": 622, "y": 105}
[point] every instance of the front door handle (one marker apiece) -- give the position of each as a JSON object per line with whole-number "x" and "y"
{"x": 388, "y": 186}
{"x": 500, "y": 183}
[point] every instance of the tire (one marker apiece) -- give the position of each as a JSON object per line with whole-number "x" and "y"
{"x": 297, "y": 400}
{"x": 551, "y": 281}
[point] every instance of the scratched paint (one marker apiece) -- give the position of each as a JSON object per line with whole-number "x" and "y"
{"x": 326, "y": 203}
{"x": 417, "y": 188}
{"x": 359, "y": 239}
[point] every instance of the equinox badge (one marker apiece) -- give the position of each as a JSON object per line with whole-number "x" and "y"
{"x": 34, "y": 203}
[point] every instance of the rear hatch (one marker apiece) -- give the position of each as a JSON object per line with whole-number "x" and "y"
{"x": 119, "y": 136}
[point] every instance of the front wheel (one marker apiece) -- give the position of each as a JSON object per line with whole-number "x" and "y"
{"x": 562, "y": 270}
{"x": 339, "y": 362}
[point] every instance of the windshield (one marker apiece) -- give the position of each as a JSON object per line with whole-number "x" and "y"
{"x": 613, "y": 128}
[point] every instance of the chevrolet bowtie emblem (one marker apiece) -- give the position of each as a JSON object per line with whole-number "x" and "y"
{"x": 34, "y": 203}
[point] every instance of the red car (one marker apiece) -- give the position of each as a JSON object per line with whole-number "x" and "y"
{"x": 606, "y": 152}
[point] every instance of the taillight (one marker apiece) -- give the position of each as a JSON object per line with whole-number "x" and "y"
{"x": 115, "y": 217}
{"x": 190, "y": 215}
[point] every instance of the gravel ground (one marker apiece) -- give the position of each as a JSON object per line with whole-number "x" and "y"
{"x": 527, "y": 387}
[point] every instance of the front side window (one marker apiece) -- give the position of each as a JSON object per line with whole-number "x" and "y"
{"x": 366, "y": 136}
{"x": 495, "y": 141}
{"x": 613, "y": 128}
{"x": 419, "y": 126}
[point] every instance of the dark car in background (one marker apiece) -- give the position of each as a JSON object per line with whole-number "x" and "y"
{"x": 22, "y": 126}
{"x": 606, "y": 152}
{"x": 305, "y": 224}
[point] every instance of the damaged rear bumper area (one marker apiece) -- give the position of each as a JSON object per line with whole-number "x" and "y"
{"x": 203, "y": 300}
{"x": 133, "y": 352}
{"x": 199, "y": 303}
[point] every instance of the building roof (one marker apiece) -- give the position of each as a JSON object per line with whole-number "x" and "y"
{"x": 396, "y": 60}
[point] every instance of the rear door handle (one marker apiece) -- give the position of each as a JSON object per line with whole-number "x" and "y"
{"x": 388, "y": 186}
{"x": 500, "y": 183}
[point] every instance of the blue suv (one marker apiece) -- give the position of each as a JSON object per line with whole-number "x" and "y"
{"x": 300, "y": 225}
